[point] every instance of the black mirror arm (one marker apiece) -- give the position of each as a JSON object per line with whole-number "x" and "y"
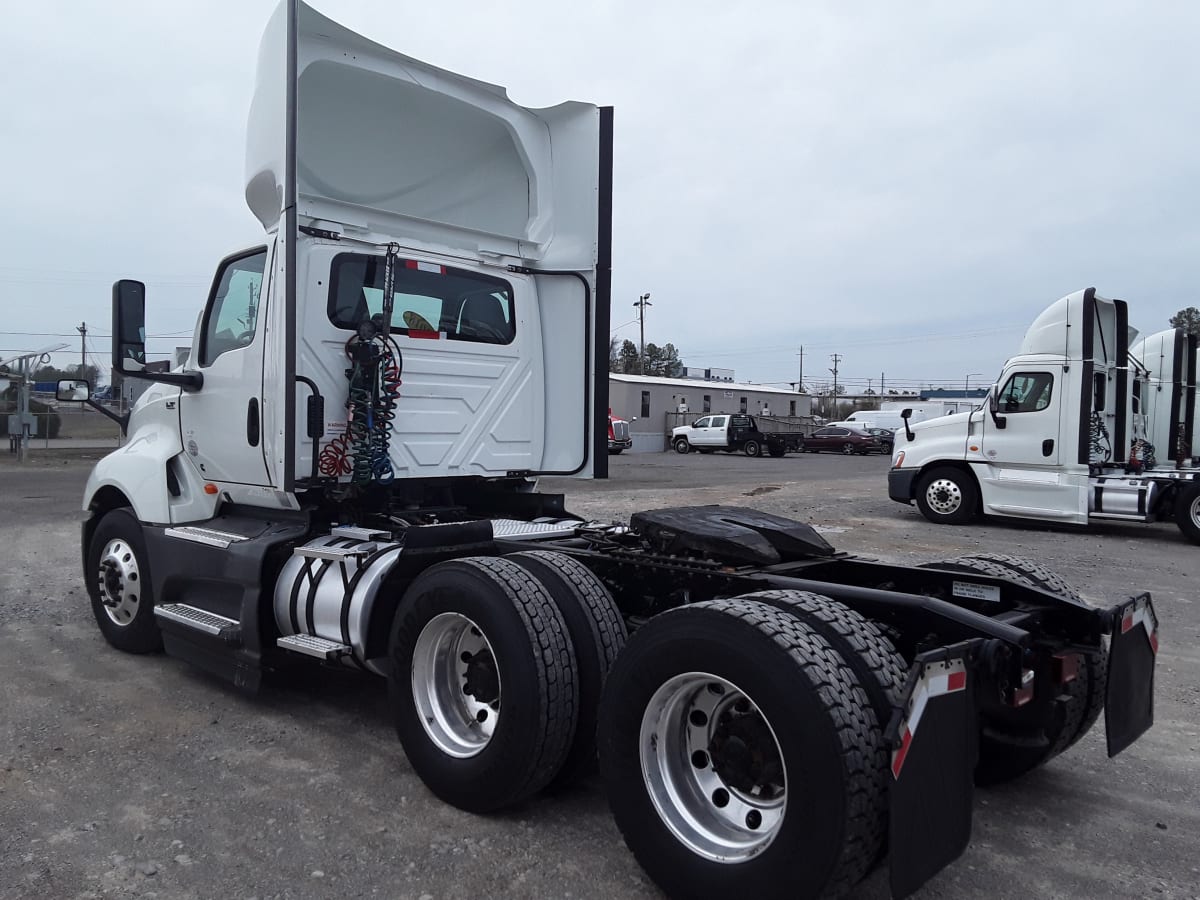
{"x": 189, "y": 381}
{"x": 123, "y": 421}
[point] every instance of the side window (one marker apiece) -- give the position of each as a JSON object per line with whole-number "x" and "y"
{"x": 702, "y": 423}
{"x": 645, "y": 404}
{"x": 719, "y": 421}
{"x": 1027, "y": 392}
{"x": 232, "y": 315}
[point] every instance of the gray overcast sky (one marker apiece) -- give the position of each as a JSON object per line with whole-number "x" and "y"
{"x": 905, "y": 184}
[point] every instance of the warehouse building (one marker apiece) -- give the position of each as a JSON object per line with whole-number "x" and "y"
{"x": 654, "y": 401}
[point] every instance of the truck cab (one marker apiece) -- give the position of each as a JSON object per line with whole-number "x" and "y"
{"x": 1055, "y": 438}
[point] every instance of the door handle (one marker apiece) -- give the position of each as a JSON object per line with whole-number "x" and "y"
{"x": 252, "y": 422}
{"x": 1047, "y": 446}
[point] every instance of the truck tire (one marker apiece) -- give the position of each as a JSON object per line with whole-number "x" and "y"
{"x": 752, "y": 448}
{"x": 598, "y": 635}
{"x": 1187, "y": 512}
{"x": 776, "y": 450}
{"x": 119, "y": 585}
{"x": 708, "y": 713}
{"x": 468, "y": 634}
{"x": 1006, "y": 749}
{"x": 681, "y": 445}
{"x": 615, "y": 451}
{"x": 947, "y": 496}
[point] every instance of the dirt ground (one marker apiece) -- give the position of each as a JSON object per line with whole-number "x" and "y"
{"x": 140, "y": 776}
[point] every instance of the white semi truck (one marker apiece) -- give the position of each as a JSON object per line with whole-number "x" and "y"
{"x": 344, "y": 473}
{"x": 1079, "y": 427}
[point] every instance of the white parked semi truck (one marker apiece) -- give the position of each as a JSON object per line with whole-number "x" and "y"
{"x": 344, "y": 474}
{"x": 1079, "y": 427}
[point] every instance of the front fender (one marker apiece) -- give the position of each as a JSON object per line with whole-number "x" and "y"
{"x": 139, "y": 471}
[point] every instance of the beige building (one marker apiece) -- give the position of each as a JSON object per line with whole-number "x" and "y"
{"x": 650, "y": 399}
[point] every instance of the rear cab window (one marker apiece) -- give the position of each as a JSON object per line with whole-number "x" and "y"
{"x": 429, "y": 300}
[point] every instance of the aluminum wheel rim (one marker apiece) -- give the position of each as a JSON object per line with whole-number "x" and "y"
{"x": 120, "y": 580}
{"x": 685, "y": 732}
{"x": 943, "y": 496}
{"x": 1194, "y": 511}
{"x": 456, "y": 685}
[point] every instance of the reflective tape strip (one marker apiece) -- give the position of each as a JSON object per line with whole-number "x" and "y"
{"x": 937, "y": 679}
{"x": 1141, "y": 615}
{"x": 424, "y": 267}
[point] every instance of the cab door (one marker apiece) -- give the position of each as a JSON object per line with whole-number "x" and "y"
{"x": 1030, "y": 406}
{"x": 222, "y": 422}
{"x": 714, "y": 435}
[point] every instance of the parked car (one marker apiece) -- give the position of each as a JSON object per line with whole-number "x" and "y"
{"x": 841, "y": 440}
{"x": 886, "y": 436}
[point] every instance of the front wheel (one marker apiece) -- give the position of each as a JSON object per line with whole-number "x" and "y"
{"x": 947, "y": 496}
{"x": 681, "y": 445}
{"x": 741, "y": 755}
{"x": 752, "y": 448}
{"x": 615, "y": 451}
{"x": 119, "y": 585}
{"x": 1187, "y": 512}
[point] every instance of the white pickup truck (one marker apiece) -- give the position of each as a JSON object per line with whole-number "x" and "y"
{"x": 733, "y": 433}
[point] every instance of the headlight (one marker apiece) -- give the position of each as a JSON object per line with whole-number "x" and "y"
{"x": 898, "y": 459}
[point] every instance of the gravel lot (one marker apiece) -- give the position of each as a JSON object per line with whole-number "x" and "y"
{"x": 140, "y": 776}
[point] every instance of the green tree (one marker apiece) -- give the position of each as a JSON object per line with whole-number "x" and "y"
{"x": 628, "y": 362}
{"x": 53, "y": 373}
{"x": 1187, "y": 319}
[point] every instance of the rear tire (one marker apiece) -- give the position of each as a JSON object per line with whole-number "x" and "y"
{"x": 847, "y": 449}
{"x": 483, "y": 682}
{"x": 752, "y": 448}
{"x": 1014, "y": 747}
{"x": 598, "y": 635}
{"x": 703, "y": 800}
{"x": 776, "y": 452}
{"x": 947, "y": 496}
{"x": 1187, "y": 512}
{"x": 681, "y": 445}
{"x": 119, "y": 583}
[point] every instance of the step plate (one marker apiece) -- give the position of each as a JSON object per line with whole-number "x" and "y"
{"x": 311, "y": 645}
{"x": 209, "y": 536}
{"x": 199, "y": 619}
{"x": 516, "y": 530}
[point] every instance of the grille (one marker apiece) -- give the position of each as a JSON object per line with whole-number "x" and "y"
{"x": 620, "y": 430}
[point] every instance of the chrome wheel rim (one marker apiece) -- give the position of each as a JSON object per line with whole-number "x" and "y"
{"x": 120, "y": 580}
{"x": 944, "y": 496}
{"x": 847, "y": 449}
{"x": 712, "y": 767}
{"x": 456, "y": 685}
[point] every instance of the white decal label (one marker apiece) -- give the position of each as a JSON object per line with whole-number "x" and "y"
{"x": 976, "y": 591}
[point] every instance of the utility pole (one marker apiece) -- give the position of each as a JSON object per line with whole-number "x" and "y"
{"x": 881, "y": 385}
{"x": 800, "y": 383}
{"x": 837, "y": 358}
{"x": 82, "y": 329}
{"x": 643, "y": 301}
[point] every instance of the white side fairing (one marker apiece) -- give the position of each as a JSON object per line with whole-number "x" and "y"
{"x": 498, "y": 366}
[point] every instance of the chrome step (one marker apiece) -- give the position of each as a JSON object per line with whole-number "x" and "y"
{"x": 336, "y": 554}
{"x": 209, "y": 536}
{"x": 200, "y": 620}
{"x": 359, "y": 534}
{"x": 311, "y": 645}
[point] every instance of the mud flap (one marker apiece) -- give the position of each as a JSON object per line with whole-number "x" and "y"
{"x": 1129, "y": 706}
{"x": 934, "y": 739}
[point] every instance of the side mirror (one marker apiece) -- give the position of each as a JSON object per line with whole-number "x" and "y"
{"x": 73, "y": 391}
{"x": 906, "y": 414}
{"x": 994, "y": 408}
{"x": 129, "y": 326}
